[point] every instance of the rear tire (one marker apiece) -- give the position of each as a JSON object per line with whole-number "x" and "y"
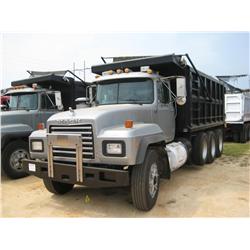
{"x": 12, "y": 157}
{"x": 219, "y": 142}
{"x": 243, "y": 134}
{"x": 211, "y": 147}
{"x": 56, "y": 187}
{"x": 145, "y": 180}
{"x": 200, "y": 149}
{"x": 248, "y": 132}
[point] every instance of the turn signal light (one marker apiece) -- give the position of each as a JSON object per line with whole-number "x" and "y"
{"x": 40, "y": 126}
{"x": 128, "y": 124}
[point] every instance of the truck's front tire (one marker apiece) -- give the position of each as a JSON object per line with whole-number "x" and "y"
{"x": 145, "y": 180}
{"x": 12, "y": 158}
{"x": 56, "y": 187}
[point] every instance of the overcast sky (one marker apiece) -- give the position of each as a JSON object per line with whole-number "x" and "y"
{"x": 212, "y": 53}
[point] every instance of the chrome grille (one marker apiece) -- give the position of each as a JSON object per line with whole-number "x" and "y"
{"x": 69, "y": 155}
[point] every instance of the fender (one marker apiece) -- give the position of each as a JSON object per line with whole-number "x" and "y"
{"x": 14, "y": 131}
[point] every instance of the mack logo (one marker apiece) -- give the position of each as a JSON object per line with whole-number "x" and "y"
{"x": 71, "y": 121}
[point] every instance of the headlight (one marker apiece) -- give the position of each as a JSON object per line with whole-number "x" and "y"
{"x": 114, "y": 148}
{"x": 36, "y": 145}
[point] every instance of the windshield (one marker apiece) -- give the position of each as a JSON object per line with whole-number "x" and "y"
{"x": 23, "y": 101}
{"x": 138, "y": 90}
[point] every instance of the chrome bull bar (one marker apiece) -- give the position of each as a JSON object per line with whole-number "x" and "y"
{"x": 65, "y": 141}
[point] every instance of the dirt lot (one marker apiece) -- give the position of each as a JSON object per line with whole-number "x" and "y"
{"x": 220, "y": 189}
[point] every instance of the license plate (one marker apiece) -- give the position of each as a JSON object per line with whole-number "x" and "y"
{"x": 32, "y": 167}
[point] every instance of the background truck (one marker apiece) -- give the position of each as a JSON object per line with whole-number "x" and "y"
{"x": 237, "y": 110}
{"x": 151, "y": 116}
{"x": 31, "y": 102}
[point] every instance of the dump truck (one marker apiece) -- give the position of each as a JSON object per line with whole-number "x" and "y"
{"x": 30, "y": 103}
{"x": 237, "y": 110}
{"x": 151, "y": 116}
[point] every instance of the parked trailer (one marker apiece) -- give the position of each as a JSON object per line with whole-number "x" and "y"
{"x": 237, "y": 110}
{"x": 30, "y": 103}
{"x": 152, "y": 115}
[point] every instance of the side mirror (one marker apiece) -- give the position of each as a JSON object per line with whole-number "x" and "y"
{"x": 181, "y": 92}
{"x": 58, "y": 99}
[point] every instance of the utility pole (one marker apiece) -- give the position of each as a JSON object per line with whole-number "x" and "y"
{"x": 84, "y": 70}
{"x": 74, "y": 69}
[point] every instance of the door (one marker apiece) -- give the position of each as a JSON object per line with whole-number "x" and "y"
{"x": 165, "y": 112}
{"x": 47, "y": 106}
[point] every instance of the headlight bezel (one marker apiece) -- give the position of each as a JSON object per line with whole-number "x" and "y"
{"x": 104, "y": 148}
{"x": 36, "y": 150}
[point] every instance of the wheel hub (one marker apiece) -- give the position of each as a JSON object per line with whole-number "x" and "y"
{"x": 153, "y": 180}
{"x": 16, "y": 159}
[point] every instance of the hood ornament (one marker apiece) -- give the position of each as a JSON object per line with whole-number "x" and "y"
{"x": 71, "y": 111}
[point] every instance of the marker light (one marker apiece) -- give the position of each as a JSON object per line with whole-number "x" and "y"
{"x": 34, "y": 85}
{"x": 128, "y": 124}
{"x": 127, "y": 70}
{"x": 109, "y": 72}
{"x": 97, "y": 76}
{"x": 40, "y": 126}
{"x": 119, "y": 71}
{"x": 149, "y": 71}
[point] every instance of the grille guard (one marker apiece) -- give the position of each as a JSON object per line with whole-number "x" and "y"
{"x": 65, "y": 141}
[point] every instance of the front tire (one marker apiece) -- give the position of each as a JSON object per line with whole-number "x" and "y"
{"x": 56, "y": 187}
{"x": 12, "y": 158}
{"x": 145, "y": 182}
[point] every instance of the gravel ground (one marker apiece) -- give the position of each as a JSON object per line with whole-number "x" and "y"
{"x": 220, "y": 189}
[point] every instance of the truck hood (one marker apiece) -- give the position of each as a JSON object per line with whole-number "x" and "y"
{"x": 104, "y": 116}
{"x": 14, "y": 117}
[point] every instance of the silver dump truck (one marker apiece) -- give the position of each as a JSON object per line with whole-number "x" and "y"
{"x": 151, "y": 116}
{"x": 237, "y": 110}
{"x": 30, "y": 103}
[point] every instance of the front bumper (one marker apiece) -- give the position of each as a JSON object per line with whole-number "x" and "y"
{"x": 92, "y": 176}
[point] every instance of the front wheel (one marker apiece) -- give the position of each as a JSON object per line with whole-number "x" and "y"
{"x": 145, "y": 182}
{"x": 12, "y": 158}
{"x": 56, "y": 187}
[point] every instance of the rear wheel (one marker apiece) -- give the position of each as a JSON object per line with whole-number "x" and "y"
{"x": 211, "y": 147}
{"x": 12, "y": 158}
{"x": 243, "y": 134}
{"x": 56, "y": 187}
{"x": 200, "y": 149}
{"x": 248, "y": 132}
{"x": 145, "y": 180}
{"x": 219, "y": 142}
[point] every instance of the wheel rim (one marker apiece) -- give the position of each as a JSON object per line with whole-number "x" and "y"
{"x": 213, "y": 147}
{"x": 204, "y": 150}
{"x": 220, "y": 143}
{"x": 153, "y": 180}
{"x": 16, "y": 159}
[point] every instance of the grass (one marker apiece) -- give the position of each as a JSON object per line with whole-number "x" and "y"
{"x": 236, "y": 149}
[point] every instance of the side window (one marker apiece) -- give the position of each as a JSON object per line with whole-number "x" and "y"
{"x": 46, "y": 102}
{"x": 163, "y": 93}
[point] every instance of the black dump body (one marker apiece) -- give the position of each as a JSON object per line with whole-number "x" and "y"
{"x": 70, "y": 89}
{"x": 205, "y": 95}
